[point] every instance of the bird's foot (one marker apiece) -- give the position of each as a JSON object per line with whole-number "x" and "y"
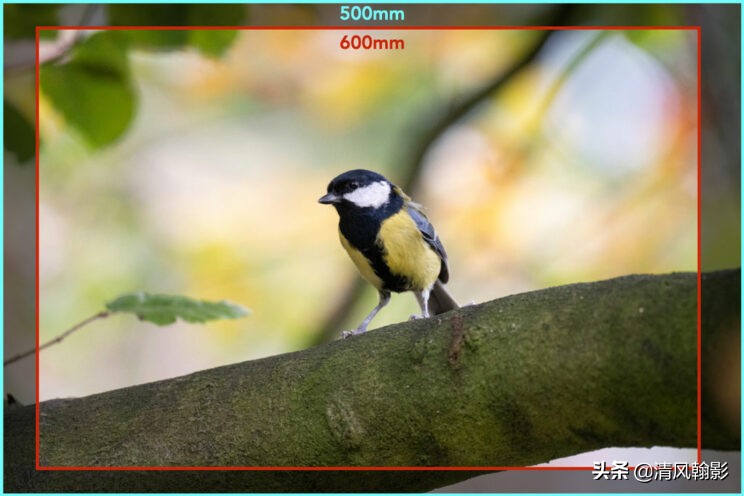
{"x": 418, "y": 317}
{"x": 353, "y": 332}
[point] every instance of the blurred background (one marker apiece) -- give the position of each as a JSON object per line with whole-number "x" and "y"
{"x": 582, "y": 167}
{"x": 543, "y": 158}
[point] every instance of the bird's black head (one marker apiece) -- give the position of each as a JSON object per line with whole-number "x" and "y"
{"x": 359, "y": 188}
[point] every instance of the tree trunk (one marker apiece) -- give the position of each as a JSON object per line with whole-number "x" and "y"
{"x": 516, "y": 381}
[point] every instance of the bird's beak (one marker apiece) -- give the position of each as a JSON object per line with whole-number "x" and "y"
{"x": 329, "y": 199}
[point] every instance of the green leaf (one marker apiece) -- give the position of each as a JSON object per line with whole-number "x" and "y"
{"x": 165, "y": 309}
{"x": 176, "y": 14}
{"x": 19, "y": 134}
{"x": 158, "y": 40}
{"x": 212, "y": 43}
{"x": 94, "y": 91}
{"x": 20, "y": 21}
{"x": 99, "y": 107}
{"x": 151, "y": 15}
{"x": 103, "y": 52}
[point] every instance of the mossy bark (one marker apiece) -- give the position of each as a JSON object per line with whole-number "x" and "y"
{"x": 516, "y": 381}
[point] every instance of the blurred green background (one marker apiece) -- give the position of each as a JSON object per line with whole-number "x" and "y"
{"x": 190, "y": 162}
{"x": 582, "y": 167}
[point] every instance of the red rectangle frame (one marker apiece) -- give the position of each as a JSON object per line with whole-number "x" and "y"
{"x": 698, "y": 29}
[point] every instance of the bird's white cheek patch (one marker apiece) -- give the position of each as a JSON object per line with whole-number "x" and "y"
{"x": 374, "y": 195}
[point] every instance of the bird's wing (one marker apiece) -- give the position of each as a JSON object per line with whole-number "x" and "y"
{"x": 430, "y": 236}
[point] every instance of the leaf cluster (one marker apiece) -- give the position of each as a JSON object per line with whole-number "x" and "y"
{"x": 91, "y": 85}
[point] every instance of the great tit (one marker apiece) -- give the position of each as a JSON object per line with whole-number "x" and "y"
{"x": 390, "y": 241}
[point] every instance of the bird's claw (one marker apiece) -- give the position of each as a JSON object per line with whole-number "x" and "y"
{"x": 348, "y": 334}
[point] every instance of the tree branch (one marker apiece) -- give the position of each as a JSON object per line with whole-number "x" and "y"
{"x": 515, "y": 381}
{"x": 99, "y": 315}
{"x": 57, "y": 50}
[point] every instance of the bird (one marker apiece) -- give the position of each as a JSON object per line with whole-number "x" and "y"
{"x": 391, "y": 242}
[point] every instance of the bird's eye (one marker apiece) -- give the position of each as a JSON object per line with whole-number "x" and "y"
{"x": 353, "y": 186}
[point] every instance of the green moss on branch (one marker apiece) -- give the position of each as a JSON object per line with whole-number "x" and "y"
{"x": 516, "y": 381}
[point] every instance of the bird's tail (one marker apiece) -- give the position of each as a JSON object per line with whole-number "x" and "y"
{"x": 440, "y": 300}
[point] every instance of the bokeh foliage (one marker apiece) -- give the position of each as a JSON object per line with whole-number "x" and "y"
{"x": 93, "y": 88}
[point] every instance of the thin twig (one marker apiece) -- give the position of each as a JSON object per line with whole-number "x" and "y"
{"x": 463, "y": 107}
{"x": 61, "y": 48}
{"x": 99, "y": 315}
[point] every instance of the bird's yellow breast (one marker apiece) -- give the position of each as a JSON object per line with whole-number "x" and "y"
{"x": 361, "y": 263}
{"x": 403, "y": 250}
{"x": 406, "y": 252}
